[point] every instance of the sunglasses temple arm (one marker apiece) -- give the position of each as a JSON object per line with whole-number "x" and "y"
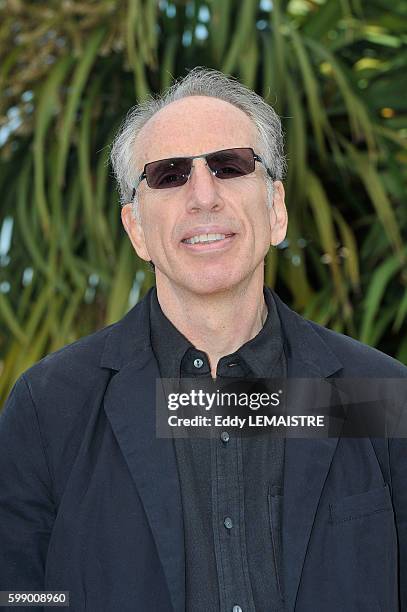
{"x": 140, "y": 178}
{"x": 261, "y": 160}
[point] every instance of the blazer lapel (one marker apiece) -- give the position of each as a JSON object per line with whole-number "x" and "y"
{"x": 307, "y": 461}
{"x": 130, "y": 405}
{"x": 306, "y": 466}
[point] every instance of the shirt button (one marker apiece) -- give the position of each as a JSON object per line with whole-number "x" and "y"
{"x": 224, "y": 436}
{"x": 228, "y": 522}
{"x": 198, "y": 363}
{"x": 237, "y": 609}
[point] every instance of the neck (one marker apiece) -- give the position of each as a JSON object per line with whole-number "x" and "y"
{"x": 219, "y": 323}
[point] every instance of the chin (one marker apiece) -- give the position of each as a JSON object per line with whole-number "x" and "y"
{"x": 213, "y": 284}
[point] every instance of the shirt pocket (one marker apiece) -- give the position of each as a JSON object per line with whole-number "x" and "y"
{"x": 275, "y": 504}
{"x": 361, "y": 505}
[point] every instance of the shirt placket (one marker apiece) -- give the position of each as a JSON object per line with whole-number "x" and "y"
{"x": 229, "y": 523}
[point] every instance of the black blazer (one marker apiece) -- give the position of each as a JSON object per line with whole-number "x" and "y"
{"x": 90, "y": 498}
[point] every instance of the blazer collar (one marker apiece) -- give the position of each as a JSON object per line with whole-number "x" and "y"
{"x": 306, "y": 352}
{"x": 129, "y": 338}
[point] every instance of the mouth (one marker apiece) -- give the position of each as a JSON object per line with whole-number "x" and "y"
{"x": 208, "y": 242}
{"x": 206, "y": 238}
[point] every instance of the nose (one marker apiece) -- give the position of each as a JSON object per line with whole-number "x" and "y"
{"x": 203, "y": 191}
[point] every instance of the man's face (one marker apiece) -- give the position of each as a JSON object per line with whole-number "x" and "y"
{"x": 234, "y": 207}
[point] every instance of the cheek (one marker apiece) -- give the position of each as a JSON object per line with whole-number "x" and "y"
{"x": 157, "y": 232}
{"x": 260, "y": 222}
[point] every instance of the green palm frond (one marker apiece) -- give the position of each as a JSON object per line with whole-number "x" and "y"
{"x": 334, "y": 70}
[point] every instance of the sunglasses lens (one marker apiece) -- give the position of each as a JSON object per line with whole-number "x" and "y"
{"x": 231, "y": 163}
{"x": 174, "y": 172}
{"x": 168, "y": 173}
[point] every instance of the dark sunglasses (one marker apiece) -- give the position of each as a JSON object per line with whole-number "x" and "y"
{"x": 175, "y": 171}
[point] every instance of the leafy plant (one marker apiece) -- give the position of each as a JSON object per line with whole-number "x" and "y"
{"x": 334, "y": 70}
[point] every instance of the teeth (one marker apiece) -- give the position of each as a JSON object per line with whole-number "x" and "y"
{"x": 205, "y": 238}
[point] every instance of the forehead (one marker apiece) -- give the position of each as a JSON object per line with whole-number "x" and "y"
{"x": 194, "y": 125}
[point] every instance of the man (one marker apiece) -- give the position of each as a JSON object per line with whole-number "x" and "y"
{"x": 93, "y": 502}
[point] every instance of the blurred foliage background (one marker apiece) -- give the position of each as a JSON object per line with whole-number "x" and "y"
{"x": 335, "y": 70}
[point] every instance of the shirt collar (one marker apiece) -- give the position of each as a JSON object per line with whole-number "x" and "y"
{"x": 258, "y": 357}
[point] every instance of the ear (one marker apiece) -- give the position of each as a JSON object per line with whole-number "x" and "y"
{"x": 278, "y": 215}
{"x": 135, "y": 232}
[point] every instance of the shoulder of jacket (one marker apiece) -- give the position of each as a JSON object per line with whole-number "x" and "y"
{"x": 359, "y": 359}
{"x": 69, "y": 376}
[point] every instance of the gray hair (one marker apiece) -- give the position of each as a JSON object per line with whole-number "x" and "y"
{"x": 200, "y": 82}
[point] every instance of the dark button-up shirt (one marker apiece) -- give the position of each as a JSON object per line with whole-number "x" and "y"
{"x": 231, "y": 485}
